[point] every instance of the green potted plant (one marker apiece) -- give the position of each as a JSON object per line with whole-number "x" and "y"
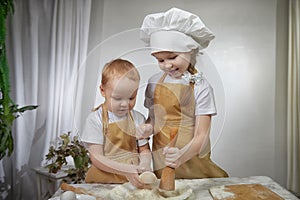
{"x": 9, "y": 110}
{"x": 65, "y": 147}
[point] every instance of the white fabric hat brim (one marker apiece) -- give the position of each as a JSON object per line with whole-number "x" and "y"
{"x": 172, "y": 41}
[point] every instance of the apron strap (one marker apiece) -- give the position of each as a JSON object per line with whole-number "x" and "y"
{"x": 162, "y": 78}
{"x": 105, "y": 122}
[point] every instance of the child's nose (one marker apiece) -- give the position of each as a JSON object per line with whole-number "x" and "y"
{"x": 124, "y": 103}
{"x": 168, "y": 64}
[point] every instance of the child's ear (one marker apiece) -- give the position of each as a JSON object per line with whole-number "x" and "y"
{"x": 102, "y": 90}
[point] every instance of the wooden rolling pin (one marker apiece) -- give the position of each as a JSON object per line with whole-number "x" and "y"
{"x": 167, "y": 180}
{"x": 66, "y": 187}
{"x": 78, "y": 190}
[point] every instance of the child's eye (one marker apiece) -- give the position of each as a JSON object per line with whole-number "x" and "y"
{"x": 117, "y": 98}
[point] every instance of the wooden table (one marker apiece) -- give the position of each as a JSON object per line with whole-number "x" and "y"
{"x": 201, "y": 187}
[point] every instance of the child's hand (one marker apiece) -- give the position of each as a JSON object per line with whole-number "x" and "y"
{"x": 172, "y": 155}
{"x": 143, "y": 131}
{"x": 144, "y": 166}
{"x": 134, "y": 179}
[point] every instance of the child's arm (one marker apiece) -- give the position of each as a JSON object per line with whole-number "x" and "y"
{"x": 144, "y": 131}
{"x": 175, "y": 157}
{"x": 105, "y": 164}
{"x": 145, "y": 157}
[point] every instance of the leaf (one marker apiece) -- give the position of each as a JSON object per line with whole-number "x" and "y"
{"x": 9, "y": 111}
{"x": 67, "y": 147}
{"x": 23, "y": 109}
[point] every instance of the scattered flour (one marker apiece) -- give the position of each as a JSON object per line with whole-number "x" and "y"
{"x": 129, "y": 192}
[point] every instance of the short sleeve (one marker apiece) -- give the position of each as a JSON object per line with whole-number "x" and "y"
{"x": 92, "y": 131}
{"x": 149, "y": 92}
{"x": 149, "y": 101}
{"x": 204, "y": 98}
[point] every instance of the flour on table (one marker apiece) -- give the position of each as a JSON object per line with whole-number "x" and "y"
{"x": 129, "y": 192}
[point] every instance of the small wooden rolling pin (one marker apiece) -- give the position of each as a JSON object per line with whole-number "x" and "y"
{"x": 167, "y": 181}
{"x": 78, "y": 190}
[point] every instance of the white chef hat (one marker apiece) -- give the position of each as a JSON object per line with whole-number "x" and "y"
{"x": 175, "y": 30}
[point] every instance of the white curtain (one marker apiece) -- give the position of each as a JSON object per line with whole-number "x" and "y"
{"x": 293, "y": 115}
{"x": 47, "y": 46}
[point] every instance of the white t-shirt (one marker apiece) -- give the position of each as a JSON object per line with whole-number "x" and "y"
{"x": 203, "y": 92}
{"x": 93, "y": 131}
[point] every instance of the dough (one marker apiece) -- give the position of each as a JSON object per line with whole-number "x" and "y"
{"x": 148, "y": 177}
{"x": 68, "y": 195}
{"x": 143, "y": 194}
{"x": 243, "y": 191}
{"x": 127, "y": 191}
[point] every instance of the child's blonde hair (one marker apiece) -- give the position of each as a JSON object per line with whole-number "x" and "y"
{"x": 192, "y": 69}
{"x": 119, "y": 68}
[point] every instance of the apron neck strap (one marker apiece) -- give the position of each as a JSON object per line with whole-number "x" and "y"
{"x": 105, "y": 118}
{"x": 162, "y": 78}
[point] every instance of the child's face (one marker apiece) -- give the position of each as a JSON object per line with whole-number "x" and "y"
{"x": 174, "y": 64}
{"x": 120, "y": 95}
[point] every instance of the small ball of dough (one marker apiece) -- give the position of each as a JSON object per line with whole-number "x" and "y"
{"x": 148, "y": 177}
{"x": 68, "y": 195}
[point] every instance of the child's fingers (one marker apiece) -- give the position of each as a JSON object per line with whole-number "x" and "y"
{"x": 141, "y": 169}
{"x": 135, "y": 181}
{"x": 172, "y": 155}
{"x": 144, "y": 131}
{"x": 171, "y": 164}
{"x": 165, "y": 150}
{"x": 170, "y": 150}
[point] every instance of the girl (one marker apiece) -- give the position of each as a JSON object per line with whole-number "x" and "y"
{"x": 110, "y": 131}
{"x": 179, "y": 96}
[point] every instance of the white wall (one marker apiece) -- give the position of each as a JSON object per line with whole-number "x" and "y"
{"x": 244, "y": 55}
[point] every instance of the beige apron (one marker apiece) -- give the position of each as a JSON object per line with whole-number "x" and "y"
{"x": 174, "y": 106}
{"x": 119, "y": 144}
